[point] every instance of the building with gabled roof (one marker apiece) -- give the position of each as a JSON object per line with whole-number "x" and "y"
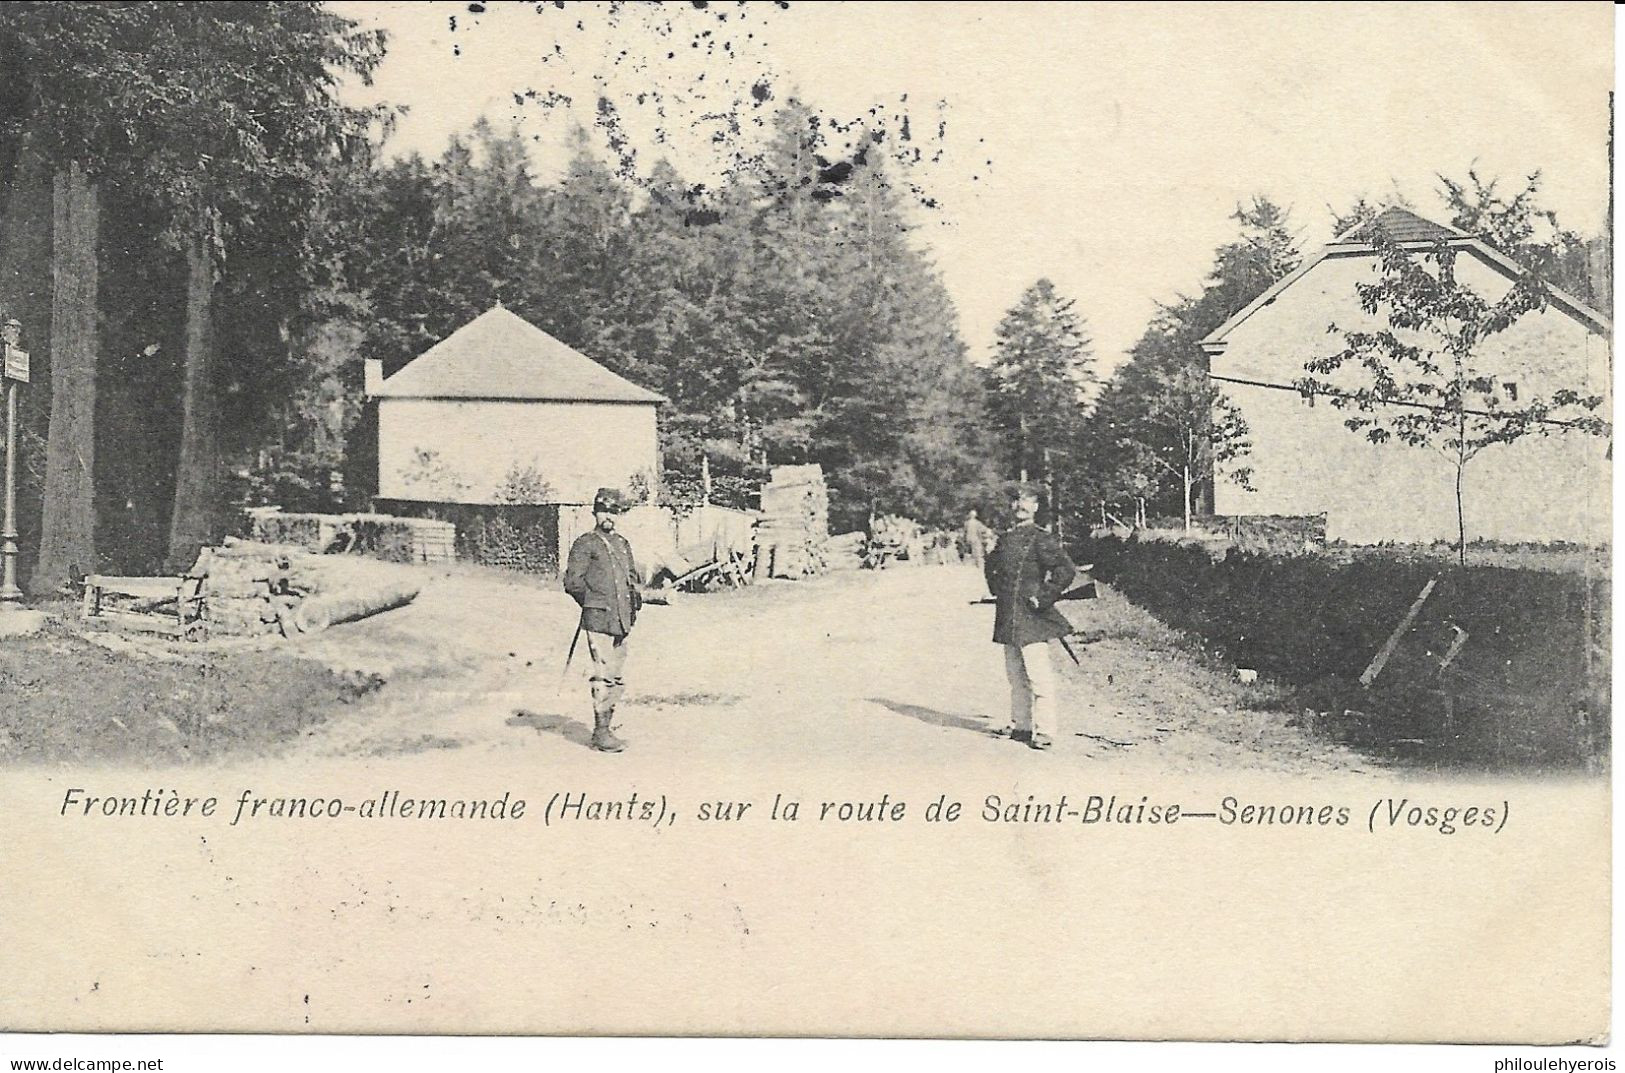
{"x": 1305, "y": 462}
{"x": 500, "y": 412}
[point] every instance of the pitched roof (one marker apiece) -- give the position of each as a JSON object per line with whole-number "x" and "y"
{"x": 1407, "y": 228}
{"x": 500, "y": 355}
{"x": 1401, "y": 225}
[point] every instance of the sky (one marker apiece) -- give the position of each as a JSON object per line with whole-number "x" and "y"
{"x": 1101, "y": 146}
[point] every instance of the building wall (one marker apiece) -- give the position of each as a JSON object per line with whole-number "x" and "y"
{"x": 468, "y": 450}
{"x": 1304, "y": 460}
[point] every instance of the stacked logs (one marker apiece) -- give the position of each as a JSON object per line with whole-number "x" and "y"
{"x": 794, "y": 525}
{"x": 249, "y": 589}
{"x": 252, "y": 589}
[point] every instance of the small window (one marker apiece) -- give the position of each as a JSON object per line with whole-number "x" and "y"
{"x": 1509, "y": 388}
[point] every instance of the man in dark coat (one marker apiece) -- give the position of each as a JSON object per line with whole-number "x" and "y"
{"x": 603, "y": 578}
{"x": 1026, "y": 572}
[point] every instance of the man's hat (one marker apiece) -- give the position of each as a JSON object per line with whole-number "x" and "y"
{"x": 610, "y": 501}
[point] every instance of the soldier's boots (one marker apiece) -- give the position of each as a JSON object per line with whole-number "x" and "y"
{"x": 602, "y": 738}
{"x": 604, "y": 695}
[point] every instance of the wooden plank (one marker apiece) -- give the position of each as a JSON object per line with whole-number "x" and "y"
{"x": 1380, "y": 660}
{"x": 132, "y": 620}
{"x": 149, "y": 587}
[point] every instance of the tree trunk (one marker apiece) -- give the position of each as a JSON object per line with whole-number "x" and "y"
{"x": 197, "y": 472}
{"x": 68, "y": 525}
{"x": 1461, "y": 519}
{"x": 1189, "y": 484}
{"x": 1461, "y": 466}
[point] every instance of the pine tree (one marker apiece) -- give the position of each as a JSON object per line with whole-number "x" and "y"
{"x": 1161, "y": 424}
{"x": 1042, "y": 366}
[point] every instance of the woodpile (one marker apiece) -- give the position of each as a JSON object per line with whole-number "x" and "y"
{"x": 247, "y": 588}
{"x": 433, "y": 541}
{"x": 794, "y": 526}
{"x": 238, "y": 589}
{"x": 251, "y": 589}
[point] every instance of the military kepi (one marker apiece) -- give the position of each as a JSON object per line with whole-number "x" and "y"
{"x": 610, "y": 501}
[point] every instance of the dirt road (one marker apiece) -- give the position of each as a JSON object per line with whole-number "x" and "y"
{"x": 843, "y": 693}
{"x": 860, "y": 665}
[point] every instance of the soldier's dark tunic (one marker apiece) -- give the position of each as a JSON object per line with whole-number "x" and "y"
{"x": 1028, "y": 561}
{"x": 603, "y": 578}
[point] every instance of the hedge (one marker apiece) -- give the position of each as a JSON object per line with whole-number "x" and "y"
{"x": 513, "y": 536}
{"x": 1531, "y": 683}
{"x": 375, "y": 535}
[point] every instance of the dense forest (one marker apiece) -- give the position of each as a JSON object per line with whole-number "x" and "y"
{"x": 203, "y": 253}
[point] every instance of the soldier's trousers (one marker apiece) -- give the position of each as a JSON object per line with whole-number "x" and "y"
{"x": 608, "y": 660}
{"x": 1032, "y": 687}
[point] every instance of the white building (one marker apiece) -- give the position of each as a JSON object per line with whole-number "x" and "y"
{"x": 501, "y": 413}
{"x": 1304, "y": 461}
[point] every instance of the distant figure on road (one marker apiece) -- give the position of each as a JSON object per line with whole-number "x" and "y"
{"x": 603, "y": 578}
{"x": 980, "y": 537}
{"x": 1026, "y": 572}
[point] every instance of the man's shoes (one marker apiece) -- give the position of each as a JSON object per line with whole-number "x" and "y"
{"x": 1039, "y": 741}
{"x": 602, "y": 739}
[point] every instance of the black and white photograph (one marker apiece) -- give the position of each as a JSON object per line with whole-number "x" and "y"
{"x": 1019, "y": 521}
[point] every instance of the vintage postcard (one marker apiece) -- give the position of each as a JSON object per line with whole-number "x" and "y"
{"x": 993, "y": 520}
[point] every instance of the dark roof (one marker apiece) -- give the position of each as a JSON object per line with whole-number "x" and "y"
{"x": 1402, "y": 225}
{"x": 500, "y": 355}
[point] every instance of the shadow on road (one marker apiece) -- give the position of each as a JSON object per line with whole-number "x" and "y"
{"x": 941, "y": 719}
{"x": 571, "y": 730}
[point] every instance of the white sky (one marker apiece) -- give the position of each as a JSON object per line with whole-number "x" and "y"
{"x": 1102, "y": 146}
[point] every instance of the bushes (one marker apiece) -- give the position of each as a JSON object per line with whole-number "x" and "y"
{"x": 520, "y": 536}
{"x": 390, "y": 539}
{"x": 515, "y": 538}
{"x": 1529, "y": 685}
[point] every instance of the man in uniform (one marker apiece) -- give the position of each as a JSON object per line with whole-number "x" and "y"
{"x": 1026, "y": 572}
{"x": 603, "y": 578}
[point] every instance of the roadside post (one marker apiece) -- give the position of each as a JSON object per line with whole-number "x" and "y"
{"x": 13, "y": 374}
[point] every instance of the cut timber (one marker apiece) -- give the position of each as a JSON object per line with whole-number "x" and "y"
{"x": 256, "y": 548}
{"x": 1379, "y": 661}
{"x": 318, "y": 613}
{"x": 794, "y": 523}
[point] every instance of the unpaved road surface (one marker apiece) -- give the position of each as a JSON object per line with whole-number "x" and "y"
{"x": 860, "y": 665}
{"x": 839, "y": 692}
